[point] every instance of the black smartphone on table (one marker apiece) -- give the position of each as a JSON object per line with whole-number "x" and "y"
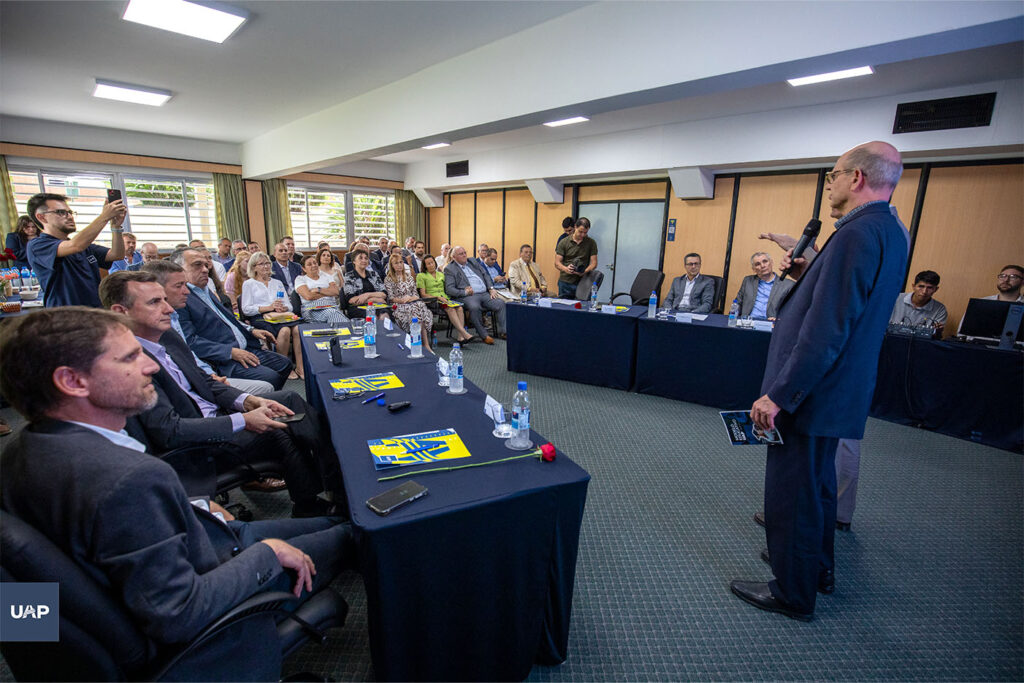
{"x": 395, "y": 498}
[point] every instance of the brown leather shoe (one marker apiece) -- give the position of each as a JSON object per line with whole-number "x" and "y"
{"x": 5, "y": 428}
{"x": 267, "y": 485}
{"x": 502, "y": 336}
{"x": 488, "y": 340}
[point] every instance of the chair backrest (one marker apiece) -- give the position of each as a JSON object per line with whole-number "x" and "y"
{"x": 645, "y": 282}
{"x": 97, "y": 639}
{"x": 296, "y": 302}
{"x": 719, "y": 300}
{"x": 583, "y": 288}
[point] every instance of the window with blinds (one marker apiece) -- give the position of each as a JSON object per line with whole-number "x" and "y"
{"x": 166, "y": 211}
{"x": 317, "y": 215}
{"x": 373, "y": 215}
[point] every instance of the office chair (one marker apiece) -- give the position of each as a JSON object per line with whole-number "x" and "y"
{"x": 100, "y": 642}
{"x": 645, "y": 282}
{"x": 594, "y": 277}
{"x": 296, "y": 302}
{"x": 719, "y": 300}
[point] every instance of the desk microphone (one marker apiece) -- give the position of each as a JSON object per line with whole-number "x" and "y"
{"x": 810, "y": 234}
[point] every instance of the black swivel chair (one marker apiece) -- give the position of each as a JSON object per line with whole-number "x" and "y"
{"x": 645, "y": 282}
{"x": 296, "y": 302}
{"x": 100, "y": 642}
{"x": 594, "y": 277}
{"x": 719, "y": 301}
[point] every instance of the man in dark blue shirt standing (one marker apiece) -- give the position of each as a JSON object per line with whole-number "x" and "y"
{"x": 68, "y": 264}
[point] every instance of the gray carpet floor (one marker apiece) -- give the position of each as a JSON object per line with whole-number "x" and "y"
{"x": 930, "y": 581}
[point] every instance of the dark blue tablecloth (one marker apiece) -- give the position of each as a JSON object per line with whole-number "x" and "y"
{"x": 315, "y": 361}
{"x": 474, "y": 581}
{"x": 705, "y": 362}
{"x": 967, "y": 391}
{"x": 575, "y": 345}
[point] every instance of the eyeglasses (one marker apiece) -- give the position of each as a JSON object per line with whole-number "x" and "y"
{"x": 63, "y": 213}
{"x": 1004, "y": 276}
{"x": 831, "y": 176}
{"x": 692, "y": 263}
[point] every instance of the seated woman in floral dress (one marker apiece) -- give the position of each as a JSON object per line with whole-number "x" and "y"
{"x": 401, "y": 290}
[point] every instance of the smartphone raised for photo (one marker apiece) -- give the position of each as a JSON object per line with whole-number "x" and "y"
{"x": 113, "y": 196}
{"x": 395, "y": 498}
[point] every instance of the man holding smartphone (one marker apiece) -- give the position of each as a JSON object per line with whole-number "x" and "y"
{"x": 575, "y": 257}
{"x": 68, "y": 264}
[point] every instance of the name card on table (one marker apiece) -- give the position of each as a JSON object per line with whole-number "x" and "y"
{"x": 493, "y": 409}
{"x": 684, "y": 317}
{"x": 608, "y": 308}
{"x": 763, "y": 325}
{"x": 544, "y": 302}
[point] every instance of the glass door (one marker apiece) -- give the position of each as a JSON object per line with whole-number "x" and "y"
{"x": 628, "y": 236}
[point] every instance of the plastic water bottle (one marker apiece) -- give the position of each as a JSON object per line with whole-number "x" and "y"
{"x": 522, "y": 293}
{"x": 455, "y": 369}
{"x": 15, "y": 278}
{"x": 369, "y": 338}
{"x": 652, "y": 305}
{"x": 26, "y": 275}
{"x": 280, "y": 296}
{"x": 593, "y": 297}
{"x": 33, "y": 280}
{"x": 521, "y": 412}
{"x": 734, "y": 312}
{"x": 416, "y": 344}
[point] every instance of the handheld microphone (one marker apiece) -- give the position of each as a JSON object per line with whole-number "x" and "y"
{"x": 810, "y": 234}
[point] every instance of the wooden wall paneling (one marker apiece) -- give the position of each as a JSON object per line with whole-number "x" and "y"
{"x": 903, "y": 199}
{"x": 254, "y": 209}
{"x": 462, "y": 221}
{"x": 970, "y": 228}
{"x": 519, "y": 206}
{"x": 488, "y": 221}
{"x": 549, "y": 227}
{"x": 331, "y": 179}
{"x": 619, "y": 192}
{"x": 702, "y": 225}
{"x": 114, "y": 158}
{"x": 772, "y": 203}
{"x": 438, "y": 227}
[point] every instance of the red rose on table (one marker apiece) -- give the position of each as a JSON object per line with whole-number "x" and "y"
{"x": 577, "y": 305}
{"x": 547, "y": 452}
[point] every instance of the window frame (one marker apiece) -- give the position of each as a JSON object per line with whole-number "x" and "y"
{"x": 348, "y": 190}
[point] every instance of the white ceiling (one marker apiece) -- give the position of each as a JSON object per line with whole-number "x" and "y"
{"x": 309, "y": 55}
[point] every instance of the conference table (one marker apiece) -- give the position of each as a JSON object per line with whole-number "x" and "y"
{"x": 474, "y": 581}
{"x": 578, "y": 345}
{"x": 963, "y": 390}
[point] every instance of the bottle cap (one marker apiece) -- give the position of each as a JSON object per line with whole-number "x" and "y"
{"x": 368, "y": 319}
{"x": 455, "y": 345}
{"x": 415, "y": 320}
{"x": 522, "y": 386}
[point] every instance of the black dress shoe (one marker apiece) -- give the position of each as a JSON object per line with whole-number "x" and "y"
{"x": 842, "y": 526}
{"x": 826, "y": 580}
{"x": 759, "y": 518}
{"x": 758, "y": 595}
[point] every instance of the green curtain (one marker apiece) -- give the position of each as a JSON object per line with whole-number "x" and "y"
{"x": 275, "y": 210}
{"x": 408, "y": 216}
{"x": 8, "y": 207}
{"x": 231, "y": 218}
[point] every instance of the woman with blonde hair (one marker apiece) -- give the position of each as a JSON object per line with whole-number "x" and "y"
{"x": 263, "y": 294}
{"x": 401, "y": 290}
{"x": 238, "y": 274}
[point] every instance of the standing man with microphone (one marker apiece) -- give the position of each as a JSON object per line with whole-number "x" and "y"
{"x": 820, "y": 374}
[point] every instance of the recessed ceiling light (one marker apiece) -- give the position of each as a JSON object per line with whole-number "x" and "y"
{"x": 437, "y": 145}
{"x": 832, "y": 76}
{"x": 136, "y": 94}
{"x": 189, "y": 18}
{"x": 566, "y": 122}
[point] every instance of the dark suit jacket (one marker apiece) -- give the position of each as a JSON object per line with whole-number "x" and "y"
{"x": 124, "y": 517}
{"x": 748, "y": 295}
{"x": 294, "y": 269}
{"x": 702, "y": 297}
{"x": 175, "y": 420}
{"x": 207, "y": 335}
{"x": 823, "y": 355}
{"x": 455, "y": 281}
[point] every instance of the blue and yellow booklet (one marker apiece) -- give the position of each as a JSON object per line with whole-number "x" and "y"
{"x": 416, "y": 449}
{"x": 743, "y": 432}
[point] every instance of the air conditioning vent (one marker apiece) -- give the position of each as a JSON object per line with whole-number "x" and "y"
{"x": 458, "y": 168}
{"x": 971, "y": 111}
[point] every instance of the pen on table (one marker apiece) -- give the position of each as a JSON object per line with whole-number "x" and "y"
{"x": 373, "y": 398}
{"x": 400, "y": 346}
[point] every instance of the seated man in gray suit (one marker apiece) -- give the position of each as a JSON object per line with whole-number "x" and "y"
{"x": 693, "y": 292}
{"x": 469, "y": 284}
{"x": 761, "y": 293}
{"x": 76, "y": 476}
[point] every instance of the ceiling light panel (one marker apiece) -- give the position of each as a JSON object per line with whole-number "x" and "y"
{"x": 832, "y": 76}
{"x": 566, "y": 122}
{"x": 437, "y": 145}
{"x": 187, "y": 18}
{"x": 136, "y": 94}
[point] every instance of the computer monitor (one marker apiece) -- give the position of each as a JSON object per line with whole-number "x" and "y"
{"x": 986, "y": 318}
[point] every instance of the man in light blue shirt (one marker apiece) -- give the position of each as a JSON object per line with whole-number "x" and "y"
{"x": 762, "y": 293}
{"x": 467, "y": 282}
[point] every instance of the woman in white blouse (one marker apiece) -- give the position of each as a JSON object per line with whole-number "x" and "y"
{"x": 319, "y": 294}
{"x": 263, "y": 294}
{"x": 329, "y": 266}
